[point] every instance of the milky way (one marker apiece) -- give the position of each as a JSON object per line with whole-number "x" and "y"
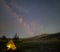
{"x": 29, "y": 18}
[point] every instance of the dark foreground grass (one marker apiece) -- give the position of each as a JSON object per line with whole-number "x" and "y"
{"x": 31, "y": 46}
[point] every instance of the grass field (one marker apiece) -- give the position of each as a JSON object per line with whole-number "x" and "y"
{"x": 41, "y": 46}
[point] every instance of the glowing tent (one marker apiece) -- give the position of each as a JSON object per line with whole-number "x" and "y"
{"x": 11, "y": 45}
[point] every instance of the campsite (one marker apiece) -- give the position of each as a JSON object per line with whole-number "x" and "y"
{"x": 32, "y": 44}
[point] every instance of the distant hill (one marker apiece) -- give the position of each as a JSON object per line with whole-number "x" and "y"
{"x": 45, "y": 37}
{"x": 52, "y": 36}
{"x": 39, "y": 38}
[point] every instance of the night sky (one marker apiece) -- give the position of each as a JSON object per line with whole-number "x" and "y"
{"x": 29, "y": 17}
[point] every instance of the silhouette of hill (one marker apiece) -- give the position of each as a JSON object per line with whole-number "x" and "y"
{"x": 44, "y": 37}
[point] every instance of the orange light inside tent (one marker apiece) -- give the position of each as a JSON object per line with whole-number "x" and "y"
{"x": 10, "y": 45}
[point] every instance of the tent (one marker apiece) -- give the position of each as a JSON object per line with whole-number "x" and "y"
{"x": 11, "y": 45}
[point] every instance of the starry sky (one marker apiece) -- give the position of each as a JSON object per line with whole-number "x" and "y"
{"x": 29, "y": 17}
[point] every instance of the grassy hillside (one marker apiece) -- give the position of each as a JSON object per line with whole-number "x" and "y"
{"x": 48, "y": 43}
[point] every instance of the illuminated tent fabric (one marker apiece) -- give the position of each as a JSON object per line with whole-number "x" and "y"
{"x": 11, "y": 45}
